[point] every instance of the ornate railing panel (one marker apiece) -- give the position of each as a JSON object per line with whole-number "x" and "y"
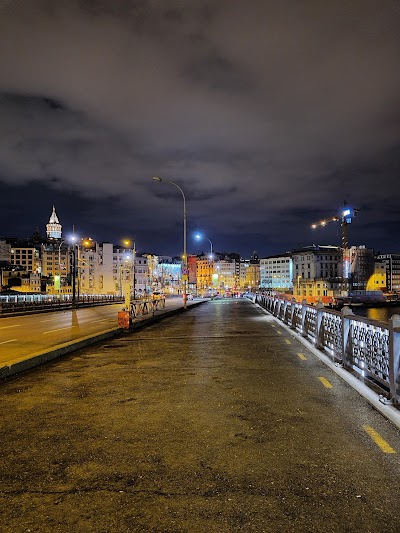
{"x": 365, "y": 346}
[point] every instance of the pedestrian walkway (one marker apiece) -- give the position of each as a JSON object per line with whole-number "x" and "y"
{"x": 215, "y": 420}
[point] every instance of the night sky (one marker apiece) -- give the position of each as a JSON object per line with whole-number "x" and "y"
{"x": 268, "y": 114}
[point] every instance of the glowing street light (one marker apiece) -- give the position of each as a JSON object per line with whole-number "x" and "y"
{"x": 185, "y": 267}
{"x": 73, "y": 239}
{"x": 200, "y": 237}
{"x": 128, "y": 243}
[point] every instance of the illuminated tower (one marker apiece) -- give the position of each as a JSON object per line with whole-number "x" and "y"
{"x": 53, "y": 228}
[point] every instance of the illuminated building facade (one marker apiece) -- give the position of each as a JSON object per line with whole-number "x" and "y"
{"x": 317, "y": 271}
{"x": 276, "y": 273}
{"x": 226, "y": 275}
{"x": 392, "y": 271}
{"x": 361, "y": 266}
{"x": 54, "y": 228}
{"x": 204, "y": 274}
{"x": 377, "y": 282}
{"x": 26, "y": 256}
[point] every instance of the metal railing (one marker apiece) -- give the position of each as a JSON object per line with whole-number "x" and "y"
{"x": 146, "y": 306}
{"x": 367, "y": 347}
{"x": 33, "y": 303}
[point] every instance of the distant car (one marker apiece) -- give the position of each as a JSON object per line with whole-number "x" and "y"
{"x": 189, "y": 296}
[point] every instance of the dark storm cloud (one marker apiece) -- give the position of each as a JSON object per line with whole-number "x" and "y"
{"x": 267, "y": 113}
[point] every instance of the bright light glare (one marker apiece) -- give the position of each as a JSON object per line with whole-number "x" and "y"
{"x": 346, "y": 212}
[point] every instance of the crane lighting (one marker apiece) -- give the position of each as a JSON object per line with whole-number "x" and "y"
{"x": 345, "y": 218}
{"x": 324, "y": 222}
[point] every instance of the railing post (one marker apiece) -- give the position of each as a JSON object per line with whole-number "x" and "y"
{"x": 292, "y": 313}
{"x": 394, "y": 358}
{"x": 303, "y": 317}
{"x": 285, "y": 304}
{"x": 345, "y": 313}
{"x": 319, "y": 341}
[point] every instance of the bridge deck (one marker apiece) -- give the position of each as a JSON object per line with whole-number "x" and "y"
{"x": 214, "y": 420}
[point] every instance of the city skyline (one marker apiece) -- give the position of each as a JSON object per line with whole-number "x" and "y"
{"x": 269, "y": 118}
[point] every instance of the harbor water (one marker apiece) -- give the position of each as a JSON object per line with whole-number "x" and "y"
{"x": 377, "y": 313}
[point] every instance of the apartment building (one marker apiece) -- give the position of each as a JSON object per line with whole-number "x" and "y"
{"x": 204, "y": 273}
{"x": 26, "y": 256}
{"x": 317, "y": 271}
{"x": 392, "y": 271}
{"x": 276, "y": 273}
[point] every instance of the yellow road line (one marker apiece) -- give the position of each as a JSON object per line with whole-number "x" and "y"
{"x": 325, "y": 382}
{"x": 287, "y": 341}
{"x": 279, "y": 332}
{"x": 383, "y": 445}
{"x": 302, "y": 356}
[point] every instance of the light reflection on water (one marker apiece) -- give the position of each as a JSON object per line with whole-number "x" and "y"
{"x": 377, "y": 313}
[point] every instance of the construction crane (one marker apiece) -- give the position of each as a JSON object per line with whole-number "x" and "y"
{"x": 345, "y": 219}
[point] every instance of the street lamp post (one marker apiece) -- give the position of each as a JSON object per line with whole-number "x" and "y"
{"x": 127, "y": 243}
{"x": 73, "y": 239}
{"x": 298, "y": 284}
{"x": 59, "y": 266}
{"x": 184, "y": 269}
{"x": 134, "y": 269}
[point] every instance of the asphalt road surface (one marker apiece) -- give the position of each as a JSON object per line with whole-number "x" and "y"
{"x": 21, "y": 336}
{"x": 216, "y": 420}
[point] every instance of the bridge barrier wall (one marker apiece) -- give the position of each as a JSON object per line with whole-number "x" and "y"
{"x": 366, "y": 347}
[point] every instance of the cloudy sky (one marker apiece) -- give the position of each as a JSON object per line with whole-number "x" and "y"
{"x": 268, "y": 114}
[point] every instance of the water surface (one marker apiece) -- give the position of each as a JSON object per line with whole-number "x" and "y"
{"x": 377, "y": 313}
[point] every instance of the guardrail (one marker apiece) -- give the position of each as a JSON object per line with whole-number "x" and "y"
{"x": 144, "y": 307}
{"x": 367, "y": 347}
{"x": 16, "y": 305}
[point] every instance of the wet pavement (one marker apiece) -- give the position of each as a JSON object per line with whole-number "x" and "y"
{"x": 215, "y": 420}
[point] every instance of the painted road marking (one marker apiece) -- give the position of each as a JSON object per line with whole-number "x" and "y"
{"x": 14, "y": 326}
{"x": 287, "y": 341}
{"x": 60, "y": 329}
{"x": 279, "y": 332}
{"x": 383, "y": 445}
{"x": 325, "y": 383}
{"x": 5, "y": 342}
{"x": 302, "y": 356}
{"x": 273, "y": 325}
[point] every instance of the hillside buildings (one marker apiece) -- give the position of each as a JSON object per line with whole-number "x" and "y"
{"x": 57, "y": 265}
